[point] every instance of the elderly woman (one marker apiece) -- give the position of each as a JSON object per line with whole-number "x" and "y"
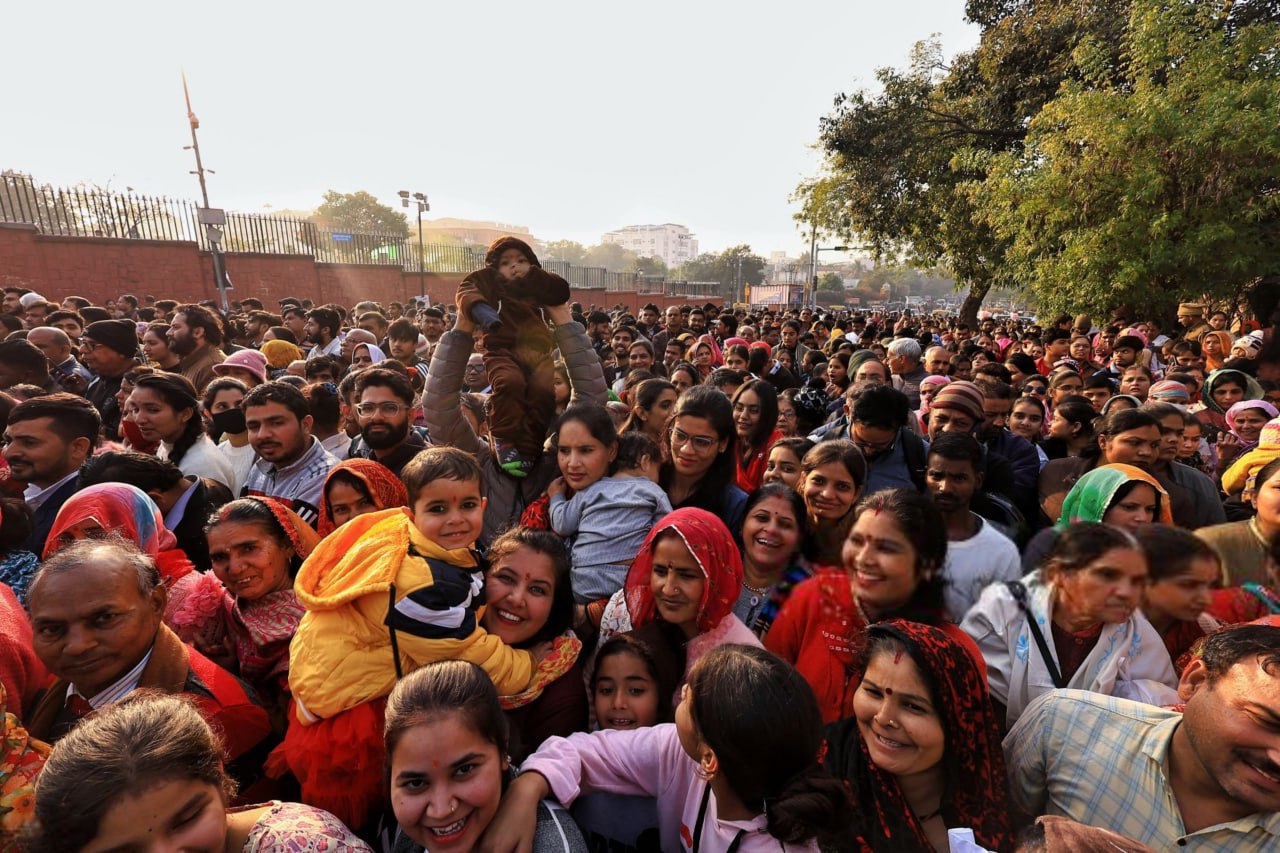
{"x": 921, "y": 687}
{"x": 1074, "y": 623}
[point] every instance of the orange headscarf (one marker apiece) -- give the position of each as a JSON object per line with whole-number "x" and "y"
{"x": 385, "y": 489}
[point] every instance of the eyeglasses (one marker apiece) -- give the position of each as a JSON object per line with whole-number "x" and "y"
{"x": 390, "y": 410}
{"x": 701, "y": 443}
{"x": 786, "y": 414}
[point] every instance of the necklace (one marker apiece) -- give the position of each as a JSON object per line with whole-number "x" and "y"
{"x": 754, "y": 590}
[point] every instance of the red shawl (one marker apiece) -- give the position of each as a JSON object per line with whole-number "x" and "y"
{"x": 973, "y": 763}
{"x": 385, "y": 489}
{"x": 712, "y": 547}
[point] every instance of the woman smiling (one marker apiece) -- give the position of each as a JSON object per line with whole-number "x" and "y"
{"x": 701, "y": 464}
{"x": 529, "y": 601}
{"x": 892, "y": 564}
{"x": 921, "y": 752}
{"x": 680, "y": 594}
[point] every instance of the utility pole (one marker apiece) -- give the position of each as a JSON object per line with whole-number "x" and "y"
{"x": 211, "y": 218}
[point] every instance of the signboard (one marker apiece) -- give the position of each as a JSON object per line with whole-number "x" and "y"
{"x": 339, "y": 237}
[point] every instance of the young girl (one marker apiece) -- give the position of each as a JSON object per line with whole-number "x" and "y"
{"x": 446, "y": 746}
{"x": 785, "y": 460}
{"x": 833, "y": 474}
{"x": 651, "y": 406}
{"x": 626, "y": 691}
{"x": 736, "y": 772}
{"x": 1183, "y": 573}
{"x": 222, "y": 399}
{"x": 627, "y": 695}
{"x": 607, "y": 516}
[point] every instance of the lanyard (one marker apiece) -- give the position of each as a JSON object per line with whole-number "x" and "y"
{"x": 702, "y": 814}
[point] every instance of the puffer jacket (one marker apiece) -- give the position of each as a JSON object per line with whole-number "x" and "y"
{"x": 507, "y": 496}
{"x": 375, "y": 575}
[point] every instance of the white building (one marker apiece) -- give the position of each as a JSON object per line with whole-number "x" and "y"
{"x": 674, "y": 244}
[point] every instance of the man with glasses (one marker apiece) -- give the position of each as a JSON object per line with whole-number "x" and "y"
{"x": 875, "y": 419}
{"x": 384, "y": 410}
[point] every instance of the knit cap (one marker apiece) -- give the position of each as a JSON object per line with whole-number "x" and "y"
{"x": 120, "y": 335}
{"x": 964, "y": 397}
{"x": 1249, "y": 344}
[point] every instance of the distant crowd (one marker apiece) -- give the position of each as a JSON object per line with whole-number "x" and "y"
{"x": 515, "y": 574}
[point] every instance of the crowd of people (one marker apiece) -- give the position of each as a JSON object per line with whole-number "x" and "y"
{"x": 512, "y": 574}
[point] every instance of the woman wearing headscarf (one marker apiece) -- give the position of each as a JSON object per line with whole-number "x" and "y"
{"x": 280, "y": 354}
{"x": 119, "y": 509}
{"x": 1118, "y": 494}
{"x": 244, "y": 613}
{"x": 680, "y": 593}
{"x": 1245, "y": 421}
{"x": 354, "y": 487}
{"x": 965, "y": 781}
{"x": 705, "y": 355}
{"x": 1217, "y": 352}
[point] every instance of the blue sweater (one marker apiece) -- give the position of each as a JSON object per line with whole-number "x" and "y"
{"x": 607, "y": 523}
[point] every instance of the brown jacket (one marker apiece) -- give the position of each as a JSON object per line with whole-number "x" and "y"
{"x": 519, "y": 304}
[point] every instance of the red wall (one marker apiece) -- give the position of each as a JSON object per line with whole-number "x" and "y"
{"x": 100, "y": 269}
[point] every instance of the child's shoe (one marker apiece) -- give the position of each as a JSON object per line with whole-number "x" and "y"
{"x": 510, "y": 460}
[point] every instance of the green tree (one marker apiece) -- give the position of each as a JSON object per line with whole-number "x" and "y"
{"x": 735, "y": 265}
{"x": 650, "y": 266}
{"x": 360, "y": 211}
{"x": 565, "y": 250}
{"x": 611, "y": 256}
{"x": 1152, "y": 179}
{"x": 831, "y": 282}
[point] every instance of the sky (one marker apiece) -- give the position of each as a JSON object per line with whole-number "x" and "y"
{"x": 569, "y": 118}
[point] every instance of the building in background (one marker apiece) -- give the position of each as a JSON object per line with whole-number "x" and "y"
{"x": 673, "y": 244}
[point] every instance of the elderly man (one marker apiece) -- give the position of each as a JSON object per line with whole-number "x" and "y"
{"x": 1206, "y": 779}
{"x": 56, "y": 346}
{"x": 96, "y": 607}
{"x": 937, "y": 361}
{"x": 352, "y": 339}
{"x": 904, "y": 364}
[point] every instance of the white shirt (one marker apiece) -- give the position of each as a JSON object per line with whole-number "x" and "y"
{"x": 202, "y": 459}
{"x": 36, "y": 496}
{"x": 973, "y": 564}
{"x": 334, "y": 347}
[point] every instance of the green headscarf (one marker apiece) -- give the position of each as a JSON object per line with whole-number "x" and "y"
{"x": 1092, "y": 495}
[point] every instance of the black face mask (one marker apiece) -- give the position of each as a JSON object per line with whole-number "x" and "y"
{"x": 230, "y": 422}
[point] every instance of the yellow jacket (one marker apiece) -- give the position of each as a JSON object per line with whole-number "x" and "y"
{"x": 341, "y": 654}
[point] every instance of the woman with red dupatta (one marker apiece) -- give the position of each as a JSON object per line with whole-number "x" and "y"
{"x": 680, "y": 593}
{"x": 921, "y": 688}
{"x": 355, "y": 487}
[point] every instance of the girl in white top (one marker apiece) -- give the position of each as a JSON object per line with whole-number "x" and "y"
{"x": 222, "y": 399}
{"x": 167, "y": 410}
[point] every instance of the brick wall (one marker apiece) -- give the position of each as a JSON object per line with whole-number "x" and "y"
{"x": 100, "y": 269}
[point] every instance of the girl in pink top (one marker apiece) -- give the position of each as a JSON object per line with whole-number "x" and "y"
{"x": 737, "y": 772}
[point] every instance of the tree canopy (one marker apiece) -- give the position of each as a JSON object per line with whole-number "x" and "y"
{"x": 724, "y": 268}
{"x": 925, "y": 167}
{"x": 360, "y": 211}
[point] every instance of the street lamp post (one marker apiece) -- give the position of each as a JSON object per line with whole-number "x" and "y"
{"x": 421, "y": 201}
{"x": 814, "y": 249}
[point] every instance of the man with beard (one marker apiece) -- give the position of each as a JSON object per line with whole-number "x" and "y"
{"x": 195, "y": 336}
{"x": 292, "y": 464}
{"x": 323, "y": 327}
{"x": 384, "y": 407}
{"x": 256, "y": 326}
{"x": 977, "y": 553}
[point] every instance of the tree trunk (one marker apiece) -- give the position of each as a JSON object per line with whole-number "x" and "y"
{"x": 972, "y": 302}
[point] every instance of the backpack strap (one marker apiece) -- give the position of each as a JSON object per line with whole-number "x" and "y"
{"x": 1019, "y": 593}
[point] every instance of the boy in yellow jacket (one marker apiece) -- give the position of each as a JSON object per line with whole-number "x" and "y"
{"x": 386, "y": 593}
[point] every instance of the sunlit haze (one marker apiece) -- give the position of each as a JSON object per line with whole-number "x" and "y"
{"x": 570, "y": 118}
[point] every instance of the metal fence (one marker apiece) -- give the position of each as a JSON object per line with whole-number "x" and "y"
{"x": 96, "y": 212}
